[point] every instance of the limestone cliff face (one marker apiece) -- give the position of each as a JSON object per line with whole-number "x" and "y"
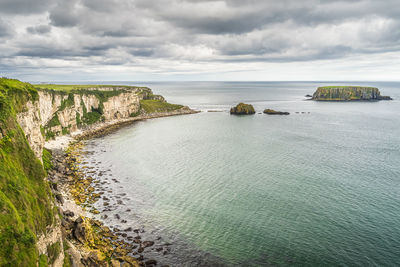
{"x": 121, "y": 106}
{"x": 30, "y": 122}
{"x": 348, "y": 93}
{"x": 57, "y": 113}
{"x": 48, "y": 104}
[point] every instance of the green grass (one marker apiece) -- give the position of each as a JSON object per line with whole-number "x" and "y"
{"x": 67, "y": 257}
{"x": 43, "y": 261}
{"x": 155, "y": 106}
{"x": 67, "y": 102}
{"x": 72, "y": 87}
{"x": 25, "y": 203}
{"x": 67, "y": 260}
{"x": 46, "y": 158}
{"x": 13, "y": 96}
{"x": 53, "y": 122}
{"x": 53, "y": 251}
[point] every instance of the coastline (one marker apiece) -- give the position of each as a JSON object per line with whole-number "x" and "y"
{"x": 105, "y": 128}
{"x": 73, "y": 190}
{"x": 62, "y": 142}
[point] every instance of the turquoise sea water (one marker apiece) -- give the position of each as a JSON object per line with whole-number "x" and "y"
{"x": 310, "y": 189}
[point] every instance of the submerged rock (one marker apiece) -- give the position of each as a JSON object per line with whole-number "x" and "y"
{"x": 151, "y": 262}
{"x": 243, "y": 109}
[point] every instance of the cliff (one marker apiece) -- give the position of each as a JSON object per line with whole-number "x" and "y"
{"x": 348, "y": 93}
{"x": 30, "y": 227}
{"x": 62, "y": 110}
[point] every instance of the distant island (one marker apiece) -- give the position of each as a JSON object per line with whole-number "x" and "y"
{"x": 348, "y": 93}
{"x": 242, "y": 109}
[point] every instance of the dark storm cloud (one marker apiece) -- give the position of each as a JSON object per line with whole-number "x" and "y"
{"x": 195, "y": 31}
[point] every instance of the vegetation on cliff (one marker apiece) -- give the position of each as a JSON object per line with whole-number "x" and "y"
{"x": 243, "y": 109}
{"x": 25, "y": 204}
{"x": 348, "y": 93}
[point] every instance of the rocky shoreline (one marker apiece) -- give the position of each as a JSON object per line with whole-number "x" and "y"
{"x": 76, "y": 187}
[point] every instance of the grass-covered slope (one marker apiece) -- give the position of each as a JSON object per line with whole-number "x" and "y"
{"x": 155, "y": 106}
{"x": 25, "y": 205}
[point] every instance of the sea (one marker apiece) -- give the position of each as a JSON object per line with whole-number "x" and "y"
{"x": 319, "y": 187}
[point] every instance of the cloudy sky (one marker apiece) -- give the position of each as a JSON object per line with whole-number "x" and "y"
{"x": 73, "y": 40}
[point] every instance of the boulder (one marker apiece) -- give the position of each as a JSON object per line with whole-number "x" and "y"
{"x": 146, "y": 244}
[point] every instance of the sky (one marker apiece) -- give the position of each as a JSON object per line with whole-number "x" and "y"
{"x": 203, "y": 40}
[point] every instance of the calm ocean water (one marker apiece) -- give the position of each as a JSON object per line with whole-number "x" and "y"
{"x": 309, "y": 189}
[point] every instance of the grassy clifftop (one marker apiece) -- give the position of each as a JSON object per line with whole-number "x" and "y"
{"x": 75, "y": 87}
{"x": 25, "y": 204}
{"x": 154, "y": 106}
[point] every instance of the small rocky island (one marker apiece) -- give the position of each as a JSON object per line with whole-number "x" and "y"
{"x": 348, "y": 93}
{"x": 243, "y": 109}
{"x": 274, "y": 112}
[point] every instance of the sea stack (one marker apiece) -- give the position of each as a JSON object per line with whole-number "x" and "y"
{"x": 348, "y": 93}
{"x": 243, "y": 109}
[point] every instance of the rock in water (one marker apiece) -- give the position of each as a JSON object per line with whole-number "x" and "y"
{"x": 273, "y": 112}
{"x": 243, "y": 109}
{"x": 348, "y": 93}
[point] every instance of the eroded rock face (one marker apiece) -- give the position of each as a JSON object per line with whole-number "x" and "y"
{"x": 48, "y": 104}
{"x": 30, "y": 122}
{"x": 121, "y": 106}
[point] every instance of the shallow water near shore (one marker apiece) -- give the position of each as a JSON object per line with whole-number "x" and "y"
{"x": 315, "y": 188}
